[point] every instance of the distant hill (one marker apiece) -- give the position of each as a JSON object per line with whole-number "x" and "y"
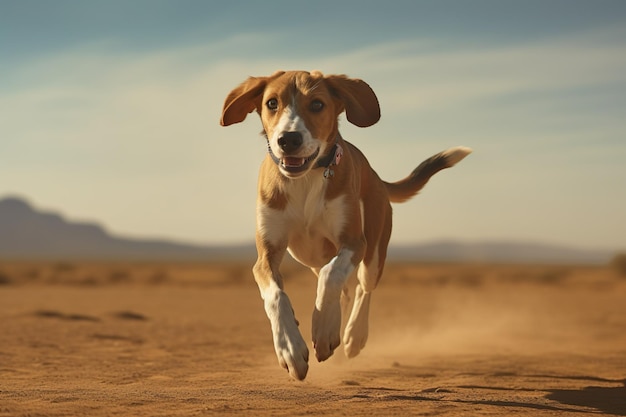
{"x": 27, "y": 233}
{"x": 499, "y": 252}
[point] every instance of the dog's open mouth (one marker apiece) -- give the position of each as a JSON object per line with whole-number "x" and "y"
{"x": 293, "y": 164}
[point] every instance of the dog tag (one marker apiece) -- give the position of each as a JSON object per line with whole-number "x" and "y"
{"x": 338, "y": 154}
{"x": 328, "y": 172}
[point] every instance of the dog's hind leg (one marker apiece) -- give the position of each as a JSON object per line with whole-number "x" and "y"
{"x": 356, "y": 333}
{"x": 368, "y": 274}
{"x": 326, "y": 328}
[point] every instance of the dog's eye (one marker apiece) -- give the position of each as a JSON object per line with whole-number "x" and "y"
{"x": 272, "y": 104}
{"x": 316, "y": 106}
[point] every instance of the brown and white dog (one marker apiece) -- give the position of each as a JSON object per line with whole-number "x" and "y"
{"x": 319, "y": 199}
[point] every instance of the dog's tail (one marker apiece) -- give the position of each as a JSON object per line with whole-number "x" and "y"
{"x": 403, "y": 190}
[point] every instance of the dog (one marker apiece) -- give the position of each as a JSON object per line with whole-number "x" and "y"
{"x": 319, "y": 199}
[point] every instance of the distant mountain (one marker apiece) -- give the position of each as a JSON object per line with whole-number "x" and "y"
{"x": 27, "y": 233}
{"x": 499, "y": 252}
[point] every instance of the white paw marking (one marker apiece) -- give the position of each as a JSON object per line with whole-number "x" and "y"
{"x": 291, "y": 349}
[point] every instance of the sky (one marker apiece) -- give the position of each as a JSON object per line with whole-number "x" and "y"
{"x": 109, "y": 111}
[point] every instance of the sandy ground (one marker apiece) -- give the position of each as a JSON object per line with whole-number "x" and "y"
{"x": 81, "y": 339}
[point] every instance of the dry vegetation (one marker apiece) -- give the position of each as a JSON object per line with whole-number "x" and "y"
{"x": 111, "y": 273}
{"x": 237, "y": 273}
{"x": 619, "y": 264}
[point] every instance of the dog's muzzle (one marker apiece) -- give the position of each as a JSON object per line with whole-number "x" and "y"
{"x": 294, "y": 165}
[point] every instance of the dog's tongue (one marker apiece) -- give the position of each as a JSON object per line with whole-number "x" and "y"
{"x": 289, "y": 161}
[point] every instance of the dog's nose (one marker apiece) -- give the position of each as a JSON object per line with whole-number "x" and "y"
{"x": 290, "y": 141}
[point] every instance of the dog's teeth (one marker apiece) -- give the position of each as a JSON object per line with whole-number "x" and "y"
{"x": 293, "y": 162}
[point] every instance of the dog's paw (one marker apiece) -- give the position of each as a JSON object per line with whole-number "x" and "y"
{"x": 292, "y": 354}
{"x": 326, "y": 329}
{"x": 291, "y": 349}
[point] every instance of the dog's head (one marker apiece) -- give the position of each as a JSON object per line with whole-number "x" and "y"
{"x": 299, "y": 113}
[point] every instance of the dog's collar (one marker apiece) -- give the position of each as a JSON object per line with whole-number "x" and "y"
{"x": 333, "y": 157}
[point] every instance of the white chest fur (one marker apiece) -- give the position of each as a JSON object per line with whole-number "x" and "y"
{"x": 307, "y": 223}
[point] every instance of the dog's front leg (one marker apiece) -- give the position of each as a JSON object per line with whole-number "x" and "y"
{"x": 291, "y": 349}
{"x": 327, "y": 314}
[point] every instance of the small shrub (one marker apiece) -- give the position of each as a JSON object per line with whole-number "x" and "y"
{"x": 619, "y": 263}
{"x": 64, "y": 267}
{"x": 5, "y": 279}
{"x": 119, "y": 276}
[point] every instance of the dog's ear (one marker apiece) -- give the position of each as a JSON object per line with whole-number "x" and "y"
{"x": 242, "y": 100}
{"x": 358, "y": 98}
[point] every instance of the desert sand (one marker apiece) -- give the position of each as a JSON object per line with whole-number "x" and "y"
{"x": 156, "y": 339}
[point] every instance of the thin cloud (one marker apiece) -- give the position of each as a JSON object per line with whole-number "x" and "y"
{"x": 109, "y": 134}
